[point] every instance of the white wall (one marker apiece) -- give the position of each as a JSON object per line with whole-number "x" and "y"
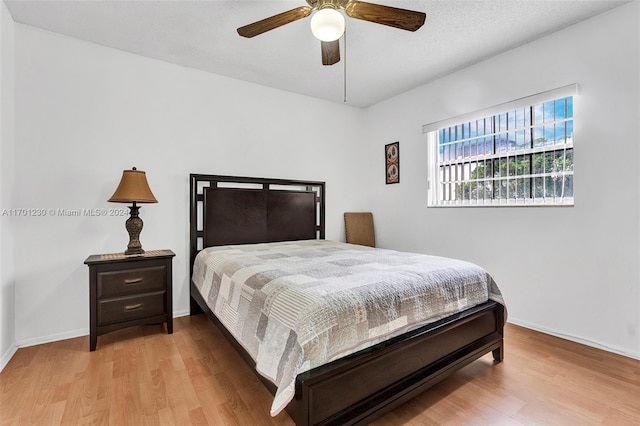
{"x": 85, "y": 112}
{"x": 570, "y": 271}
{"x": 7, "y": 282}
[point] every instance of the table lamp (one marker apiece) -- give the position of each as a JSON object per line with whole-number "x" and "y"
{"x": 133, "y": 188}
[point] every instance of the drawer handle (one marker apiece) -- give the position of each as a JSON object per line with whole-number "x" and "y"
{"x": 129, "y": 308}
{"x": 133, "y": 281}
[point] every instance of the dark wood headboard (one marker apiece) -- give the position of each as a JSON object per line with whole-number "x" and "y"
{"x": 244, "y": 210}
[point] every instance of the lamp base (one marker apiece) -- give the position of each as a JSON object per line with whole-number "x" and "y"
{"x": 134, "y": 227}
{"x": 133, "y": 251}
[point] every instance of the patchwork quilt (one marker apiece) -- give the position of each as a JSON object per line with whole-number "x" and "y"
{"x": 297, "y": 305}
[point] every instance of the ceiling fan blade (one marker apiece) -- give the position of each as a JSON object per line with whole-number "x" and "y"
{"x": 275, "y": 21}
{"x": 330, "y": 52}
{"x": 386, "y": 15}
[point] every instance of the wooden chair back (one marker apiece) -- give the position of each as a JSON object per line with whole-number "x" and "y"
{"x": 358, "y": 228}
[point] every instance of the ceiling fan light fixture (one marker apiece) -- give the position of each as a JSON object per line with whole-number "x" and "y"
{"x": 327, "y": 24}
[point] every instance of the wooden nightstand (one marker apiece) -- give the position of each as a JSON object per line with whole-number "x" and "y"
{"x": 129, "y": 290}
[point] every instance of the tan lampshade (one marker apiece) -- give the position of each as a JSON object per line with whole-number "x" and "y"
{"x": 133, "y": 187}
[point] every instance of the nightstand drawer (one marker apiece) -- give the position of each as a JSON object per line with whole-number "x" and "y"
{"x": 131, "y": 281}
{"x": 129, "y": 308}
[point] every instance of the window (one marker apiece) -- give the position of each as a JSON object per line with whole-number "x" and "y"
{"x": 518, "y": 154}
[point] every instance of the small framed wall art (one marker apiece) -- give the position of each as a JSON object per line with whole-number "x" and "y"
{"x": 392, "y": 162}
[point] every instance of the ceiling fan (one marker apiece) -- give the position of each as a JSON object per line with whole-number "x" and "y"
{"x": 327, "y": 23}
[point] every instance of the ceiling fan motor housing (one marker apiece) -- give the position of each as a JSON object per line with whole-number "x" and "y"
{"x": 321, "y": 4}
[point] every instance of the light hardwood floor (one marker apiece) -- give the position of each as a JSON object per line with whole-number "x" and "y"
{"x": 141, "y": 376}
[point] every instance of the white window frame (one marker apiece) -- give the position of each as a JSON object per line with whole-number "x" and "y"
{"x": 435, "y": 185}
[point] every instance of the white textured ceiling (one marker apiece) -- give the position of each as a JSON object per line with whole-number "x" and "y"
{"x": 380, "y": 61}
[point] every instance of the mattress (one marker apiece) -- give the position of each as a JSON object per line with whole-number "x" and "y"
{"x": 297, "y": 305}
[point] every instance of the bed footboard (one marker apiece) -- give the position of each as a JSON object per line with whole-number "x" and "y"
{"x": 363, "y": 386}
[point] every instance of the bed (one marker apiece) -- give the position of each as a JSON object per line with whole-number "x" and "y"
{"x": 254, "y": 215}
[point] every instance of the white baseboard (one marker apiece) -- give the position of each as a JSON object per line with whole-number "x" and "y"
{"x": 586, "y": 342}
{"x": 70, "y": 334}
{"x": 6, "y": 357}
{"x": 52, "y": 338}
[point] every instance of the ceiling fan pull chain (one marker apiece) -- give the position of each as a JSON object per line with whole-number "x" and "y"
{"x": 344, "y": 77}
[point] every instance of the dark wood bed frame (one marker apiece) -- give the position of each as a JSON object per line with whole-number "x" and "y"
{"x": 360, "y": 387}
